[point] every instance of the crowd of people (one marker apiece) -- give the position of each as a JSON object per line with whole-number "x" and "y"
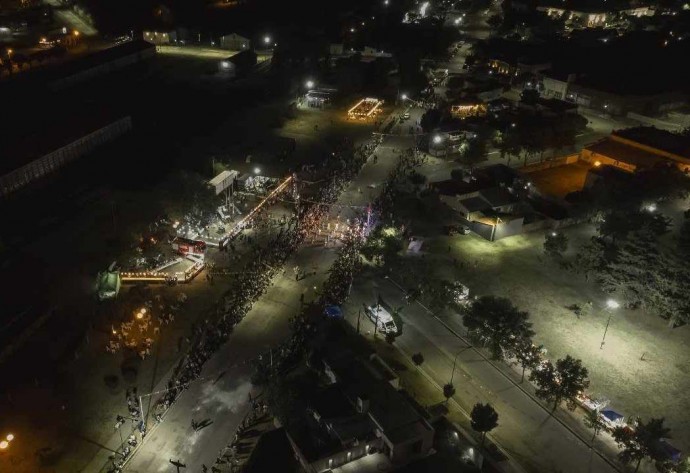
{"x": 266, "y": 262}
{"x": 138, "y": 333}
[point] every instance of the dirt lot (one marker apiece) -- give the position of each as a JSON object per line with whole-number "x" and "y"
{"x": 561, "y": 180}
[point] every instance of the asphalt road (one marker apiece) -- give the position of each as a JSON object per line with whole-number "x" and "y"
{"x": 526, "y": 430}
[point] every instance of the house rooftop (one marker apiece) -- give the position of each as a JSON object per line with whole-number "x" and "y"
{"x": 497, "y": 196}
{"x": 387, "y": 407}
{"x": 625, "y": 153}
{"x": 474, "y": 204}
{"x": 660, "y": 139}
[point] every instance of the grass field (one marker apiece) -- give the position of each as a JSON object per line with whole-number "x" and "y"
{"x": 643, "y": 367}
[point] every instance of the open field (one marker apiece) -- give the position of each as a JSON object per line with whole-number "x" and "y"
{"x": 643, "y": 365}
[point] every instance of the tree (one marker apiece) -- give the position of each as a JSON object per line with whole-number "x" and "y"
{"x": 430, "y": 120}
{"x": 641, "y": 442}
{"x": 418, "y": 359}
{"x": 390, "y": 337}
{"x": 683, "y": 237}
{"x": 562, "y": 382}
{"x": 448, "y": 391}
{"x": 495, "y": 21}
{"x": 527, "y": 354}
{"x": 483, "y": 418}
{"x": 496, "y": 322}
{"x": 529, "y": 96}
{"x": 555, "y": 244}
{"x": 417, "y": 179}
{"x": 594, "y": 421}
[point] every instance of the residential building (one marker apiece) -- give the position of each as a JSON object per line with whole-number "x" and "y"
{"x": 593, "y": 16}
{"x": 160, "y": 37}
{"x": 239, "y": 64}
{"x": 611, "y": 95}
{"x": 638, "y": 148}
{"x": 360, "y": 413}
{"x": 487, "y": 201}
{"x": 234, "y": 42}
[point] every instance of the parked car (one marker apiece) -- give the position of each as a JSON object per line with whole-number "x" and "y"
{"x": 381, "y": 318}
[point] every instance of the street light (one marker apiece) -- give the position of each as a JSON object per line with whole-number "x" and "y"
{"x": 267, "y": 39}
{"x": 6, "y": 443}
{"x": 309, "y": 84}
{"x": 437, "y": 139}
{"x": 404, "y": 96}
{"x": 611, "y": 305}
{"x": 257, "y": 171}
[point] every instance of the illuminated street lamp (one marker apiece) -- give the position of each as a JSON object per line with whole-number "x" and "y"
{"x": 404, "y": 96}
{"x": 309, "y": 84}
{"x": 457, "y": 21}
{"x": 611, "y": 305}
{"x": 6, "y": 443}
{"x": 75, "y": 33}
{"x": 437, "y": 139}
{"x": 267, "y": 39}
{"x": 385, "y": 2}
{"x": 257, "y": 171}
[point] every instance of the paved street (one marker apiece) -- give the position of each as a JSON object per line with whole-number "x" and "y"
{"x": 71, "y": 19}
{"x": 266, "y": 325}
{"x": 526, "y": 430}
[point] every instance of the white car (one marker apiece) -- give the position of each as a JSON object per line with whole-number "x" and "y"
{"x": 381, "y": 318}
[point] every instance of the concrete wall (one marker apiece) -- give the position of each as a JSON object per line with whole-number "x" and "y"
{"x": 504, "y": 230}
{"x": 52, "y": 161}
{"x": 592, "y": 158}
{"x": 337, "y": 459}
{"x": 552, "y": 163}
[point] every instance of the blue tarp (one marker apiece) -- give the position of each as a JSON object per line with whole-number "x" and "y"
{"x": 612, "y": 415}
{"x": 333, "y": 311}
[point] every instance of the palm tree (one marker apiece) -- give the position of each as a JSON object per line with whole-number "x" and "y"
{"x": 594, "y": 421}
{"x": 484, "y": 418}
